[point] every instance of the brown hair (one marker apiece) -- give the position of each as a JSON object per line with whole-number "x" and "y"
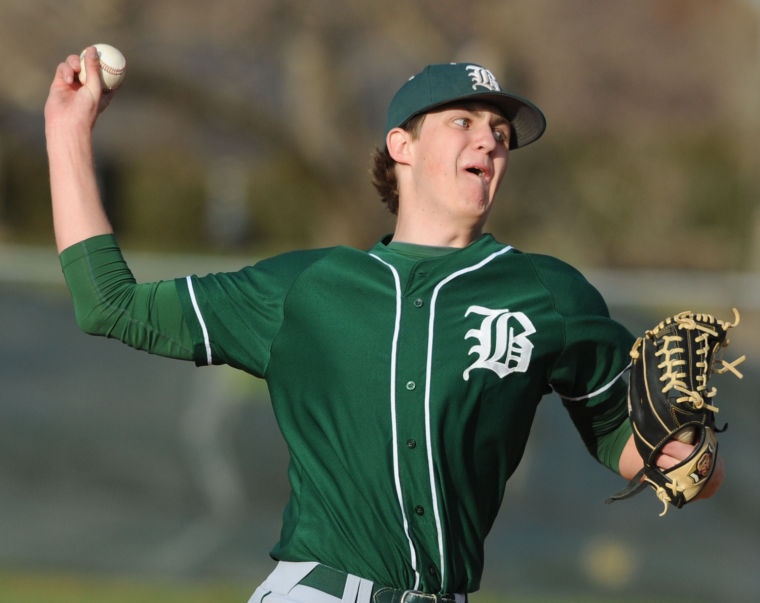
{"x": 384, "y": 167}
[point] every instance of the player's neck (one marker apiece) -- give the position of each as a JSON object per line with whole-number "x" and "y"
{"x": 435, "y": 234}
{"x": 436, "y": 219}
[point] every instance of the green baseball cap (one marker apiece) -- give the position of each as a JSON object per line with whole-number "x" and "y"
{"x": 439, "y": 85}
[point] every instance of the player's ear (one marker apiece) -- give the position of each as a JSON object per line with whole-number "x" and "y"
{"x": 398, "y": 142}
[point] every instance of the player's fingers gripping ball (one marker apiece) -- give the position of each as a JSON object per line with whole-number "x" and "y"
{"x": 669, "y": 398}
{"x": 113, "y": 67}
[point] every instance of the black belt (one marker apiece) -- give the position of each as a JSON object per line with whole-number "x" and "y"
{"x": 333, "y": 582}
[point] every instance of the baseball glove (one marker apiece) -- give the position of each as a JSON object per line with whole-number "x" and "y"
{"x": 668, "y": 397}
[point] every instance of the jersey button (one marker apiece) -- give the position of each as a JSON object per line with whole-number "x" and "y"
{"x": 411, "y": 443}
{"x": 410, "y": 385}
{"x": 418, "y": 303}
{"x": 420, "y": 510}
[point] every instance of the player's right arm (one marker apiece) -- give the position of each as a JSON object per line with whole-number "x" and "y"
{"x": 107, "y": 300}
{"x": 70, "y": 113}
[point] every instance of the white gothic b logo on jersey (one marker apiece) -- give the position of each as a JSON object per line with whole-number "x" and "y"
{"x": 482, "y": 78}
{"x": 503, "y": 345}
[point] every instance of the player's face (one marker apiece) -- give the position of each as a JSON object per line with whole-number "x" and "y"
{"x": 461, "y": 156}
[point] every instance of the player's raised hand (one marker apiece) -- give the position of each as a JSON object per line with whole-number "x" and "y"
{"x": 71, "y": 103}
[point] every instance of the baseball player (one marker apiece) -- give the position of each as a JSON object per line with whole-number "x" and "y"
{"x": 404, "y": 378}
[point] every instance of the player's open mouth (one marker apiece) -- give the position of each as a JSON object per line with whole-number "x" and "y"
{"x": 479, "y": 172}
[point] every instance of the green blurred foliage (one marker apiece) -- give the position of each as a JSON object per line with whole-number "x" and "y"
{"x": 157, "y": 199}
{"x": 24, "y": 185}
{"x": 42, "y": 587}
{"x": 284, "y": 208}
{"x": 678, "y": 201}
{"x": 673, "y": 200}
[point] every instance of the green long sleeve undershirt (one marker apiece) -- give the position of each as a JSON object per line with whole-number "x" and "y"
{"x": 109, "y": 302}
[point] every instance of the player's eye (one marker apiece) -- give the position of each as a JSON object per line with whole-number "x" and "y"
{"x": 464, "y": 122}
{"x": 501, "y": 136}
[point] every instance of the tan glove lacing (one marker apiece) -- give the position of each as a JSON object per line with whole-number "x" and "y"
{"x": 673, "y": 378}
{"x": 662, "y": 493}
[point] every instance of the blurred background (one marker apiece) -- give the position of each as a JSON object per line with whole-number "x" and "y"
{"x": 245, "y": 128}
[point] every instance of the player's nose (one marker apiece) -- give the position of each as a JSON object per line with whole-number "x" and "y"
{"x": 483, "y": 136}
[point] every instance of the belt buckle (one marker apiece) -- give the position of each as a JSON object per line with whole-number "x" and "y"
{"x": 415, "y": 596}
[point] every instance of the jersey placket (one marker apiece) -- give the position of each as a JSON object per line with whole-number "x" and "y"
{"x": 415, "y": 449}
{"x": 411, "y": 453}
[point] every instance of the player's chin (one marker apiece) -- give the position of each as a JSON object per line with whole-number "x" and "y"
{"x": 474, "y": 203}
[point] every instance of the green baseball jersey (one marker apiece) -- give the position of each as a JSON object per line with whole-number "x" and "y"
{"x": 406, "y": 388}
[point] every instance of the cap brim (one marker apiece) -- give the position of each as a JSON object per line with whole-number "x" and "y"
{"x": 527, "y": 121}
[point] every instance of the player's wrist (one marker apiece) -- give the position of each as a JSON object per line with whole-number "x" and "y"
{"x": 71, "y": 123}
{"x": 69, "y": 141}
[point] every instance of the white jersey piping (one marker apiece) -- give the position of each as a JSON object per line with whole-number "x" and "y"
{"x": 601, "y": 390}
{"x": 396, "y": 473}
{"x": 206, "y": 340}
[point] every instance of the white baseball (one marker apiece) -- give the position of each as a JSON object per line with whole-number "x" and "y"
{"x": 113, "y": 67}
{"x": 687, "y": 435}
